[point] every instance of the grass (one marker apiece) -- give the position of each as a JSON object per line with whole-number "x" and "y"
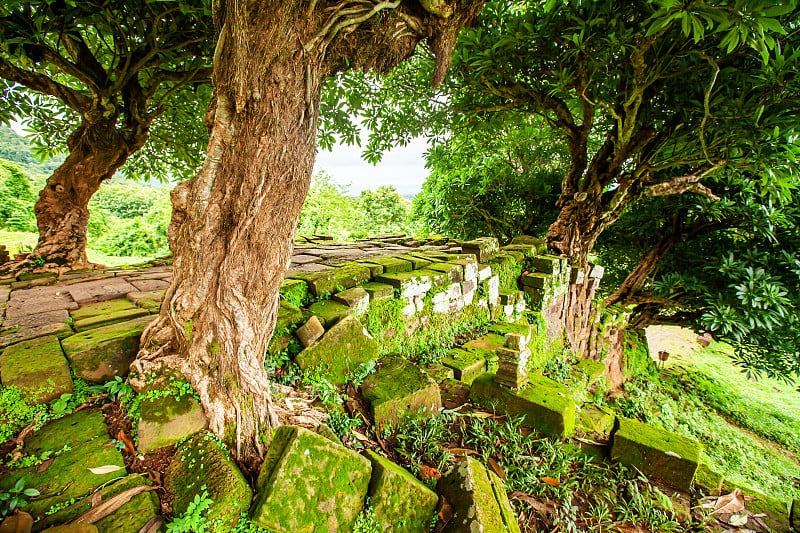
{"x": 17, "y": 241}
{"x": 750, "y": 430}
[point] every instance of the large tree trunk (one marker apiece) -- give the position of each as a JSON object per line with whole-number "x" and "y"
{"x": 96, "y": 151}
{"x": 233, "y": 224}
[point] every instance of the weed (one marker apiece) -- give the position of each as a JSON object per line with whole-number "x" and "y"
{"x": 358, "y": 375}
{"x": 341, "y": 424}
{"x": 420, "y": 440}
{"x": 366, "y": 522}
{"x": 192, "y": 520}
{"x": 244, "y": 525}
{"x": 15, "y": 497}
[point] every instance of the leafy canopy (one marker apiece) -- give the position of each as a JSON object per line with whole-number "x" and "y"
{"x": 143, "y": 63}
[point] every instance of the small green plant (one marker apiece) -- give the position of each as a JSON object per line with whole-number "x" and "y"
{"x": 326, "y": 391}
{"x": 358, "y": 375}
{"x": 35, "y": 460}
{"x": 366, "y": 522}
{"x": 18, "y": 409}
{"x": 244, "y": 525}
{"x": 341, "y": 424}
{"x": 38, "y": 260}
{"x": 53, "y": 509}
{"x": 15, "y": 498}
{"x": 193, "y": 519}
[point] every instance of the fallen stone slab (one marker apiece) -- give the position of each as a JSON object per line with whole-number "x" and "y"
{"x": 401, "y": 502}
{"x": 656, "y": 452}
{"x": 68, "y": 477}
{"x": 102, "y": 308}
{"x": 100, "y": 290}
{"x": 98, "y": 355}
{"x": 202, "y": 463}
{"x": 399, "y": 390}
{"x": 417, "y": 263}
{"x": 478, "y": 499}
{"x": 466, "y": 365}
{"x": 341, "y": 350}
{"x": 165, "y": 420}
{"x": 356, "y": 299}
{"x": 378, "y": 291}
{"x": 309, "y": 483}
{"x": 149, "y": 285}
{"x": 310, "y": 332}
{"x": 288, "y": 315}
{"x": 40, "y": 300}
{"x": 294, "y": 291}
{"x": 150, "y": 301}
{"x": 129, "y": 518}
{"x": 707, "y": 479}
{"x": 38, "y": 367}
{"x": 59, "y": 330}
{"x": 391, "y": 265}
{"x": 455, "y": 273}
{"x": 592, "y": 418}
{"x": 546, "y": 405}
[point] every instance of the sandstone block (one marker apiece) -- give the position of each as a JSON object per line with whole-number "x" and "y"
{"x": 342, "y": 349}
{"x": 38, "y": 367}
{"x": 310, "y": 332}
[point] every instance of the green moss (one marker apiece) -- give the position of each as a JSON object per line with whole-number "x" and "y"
{"x": 636, "y": 353}
{"x": 595, "y": 419}
{"x": 385, "y": 318}
{"x": 38, "y": 367}
{"x": 378, "y": 291}
{"x": 466, "y": 365}
{"x": 329, "y": 312}
{"x": 777, "y": 512}
{"x": 294, "y": 291}
{"x": 508, "y": 268}
{"x": 203, "y": 463}
{"x": 334, "y": 279}
{"x": 708, "y": 480}
{"x": 417, "y": 263}
{"x": 400, "y": 502}
{"x": 109, "y": 318}
{"x": 391, "y": 264}
{"x": 341, "y": 350}
{"x": 547, "y": 406}
{"x": 656, "y": 452}
{"x": 309, "y": 483}
{"x": 101, "y": 308}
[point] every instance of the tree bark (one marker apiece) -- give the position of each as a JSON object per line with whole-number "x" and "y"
{"x": 233, "y": 224}
{"x": 96, "y": 151}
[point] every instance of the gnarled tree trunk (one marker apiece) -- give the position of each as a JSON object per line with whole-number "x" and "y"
{"x": 233, "y": 224}
{"x": 96, "y": 151}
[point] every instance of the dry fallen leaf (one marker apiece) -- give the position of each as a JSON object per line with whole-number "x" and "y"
{"x": 729, "y": 503}
{"x": 129, "y": 447}
{"x": 446, "y": 512}
{"x": 426, "y": 472}
{"x": 105, "y": 469}
{"x": 550, "y": 481}
{"x": 542, "y": 507}
{"x": 497, "y": 469}
{"x": 44, "y": 466}
{"x": 110, "y": 505}
{"x": 460, "y": 451}
{"x": 153, "y": 526}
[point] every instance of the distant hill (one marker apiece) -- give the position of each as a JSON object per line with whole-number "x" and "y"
{"x": 15, "y": 148}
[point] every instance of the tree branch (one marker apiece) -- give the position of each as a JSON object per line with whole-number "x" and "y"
{"x": 43, "y": 84}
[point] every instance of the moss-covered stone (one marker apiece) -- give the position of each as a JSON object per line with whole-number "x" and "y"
{"x": 547, "y": 406}
{"x": 417, "y": 263}
{"x": 149, "y": 300}
{"x": 98, "y": 355}
{"x": 466, "y": 365}
{"x": 486, "y": 346}
{"x": 13, "y": 336}
{"x": 391, "y": 265}
{"x": 109, "y": 318}
{"x": 476, "y": 500}
{"x": 378, "y": 291}
{"x": 708, "y": 480}
{"x": 400, "y": 501}
{"x": 341, "y": 350}
{"x": 439, "y": 372}
{"x": 537, "y": 280}
{"x": 374, "y": 269}
{"x": 165, "y": 420}
{"x": 454, "y": 272}
{"x": 399, "y": 389}
{"x": 504, "y": 328}
{"x": 587, "y": 372}
{"x": 38, "y": 367}
{"x": 203, "y": 463}
{"x": 595, "y": 419}
{"x": 657, "y": 453}
{"x": 294, "y": 291}
{"x": 102, "y": 308}
{"x": 329, "y": 312}
{"x": 483, "y": 248}
{"x": 309, "y": 483}
{"x": 68, "y": 477}
{"x": 407, "y": 284}
{"x": 356, "y": 299}
{"x": 127, "y": 519}
{"x": 794, "y": 515}
{"x": 334, "y": 280}
{"x": 636, "y": 354}
{"x": 538, "y": 245}
{"x": 288, "y": 316}
{"x": 454, "y": 393}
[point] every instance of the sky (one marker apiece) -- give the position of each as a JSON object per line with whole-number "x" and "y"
{"x": 402, "y": 167}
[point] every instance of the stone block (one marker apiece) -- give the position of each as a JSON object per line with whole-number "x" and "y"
{"x": 775, "y": 513}
{"x": 100, "y": 290}
{"x": 14, "y": 324}
{"x": 537, "y": 280}
{"x": 294, "y": 291}
{"x": 417, "y": 263}
{"x": 438, "y": 279}
{"x": 486, "y": 347}
{"x": 438, "y": 372}
{"x": 150, "y": 285}
{"x": 329, "y": 312}
{"x": 483, "y": 248}
{"x": 548, "y": 264}
{"x": 309, "y": 483}
{"x": 203, "y": 463}
{"x": 508, "y": 297}
{"x": 589, "y": 370}
{"x": 38, "y": 367}
{"x": 466, "y": 365}
{"x": 454, "y": 271}
{"x": 166, "y": 420}
{"x": 504, "y": 328}
{"x": 310, "y": 332}
{"x": 398, "y": 390}
{"x": 538, "y": 245}
{"x": 60, "y": 330}
{"x": 708, "y": 480}
{"x": 334, "y": 280}
{"x": 454, "y": 393}
{"x": 378, "y": 291}
{"x": 96, "y": 309}
{"x": 146, "y": 300}
{"x": 657, "y": 453}
{"x": 356, "y": 299}
{"x": 374, "y": 269}
{"x": 470, "y": 267}
{"x": 342, "y": 349}
{"x": 484, "y": 272}
{"x": 391, "y": 265}
{"x": 401, "y": 503}
{"x": 98, "y": 355}
{"x": 547, "y": 406}
{"x": 110, "y": 318}
{"x": 407, "y": 284}
{"x": 68, "y": 477}
{"x": 478, "y": 499}
{"x": 593, "y": 418}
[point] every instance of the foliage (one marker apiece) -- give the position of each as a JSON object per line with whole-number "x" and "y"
{"x": 16, "y": 149}
{"x": 192, "y": 520}
{"x": 384, "y": 210}
{"x": 16, "y": 199}
{"x": 18, "y": 409}
{"x": 341, "y": 424}
{"x": 144, "y": 63}
{"x": 366, "y": 522}
{"x": 422, "y": 441}
{"x": 16, "y": 497}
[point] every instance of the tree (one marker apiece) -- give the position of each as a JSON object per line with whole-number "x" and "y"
{"x": 96, "y": 78}
{"x": 384, "y": 210}
{"x": 328, "y": 210}
{"x": 16, "y": 199}
{"x": 233, "y": 223}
